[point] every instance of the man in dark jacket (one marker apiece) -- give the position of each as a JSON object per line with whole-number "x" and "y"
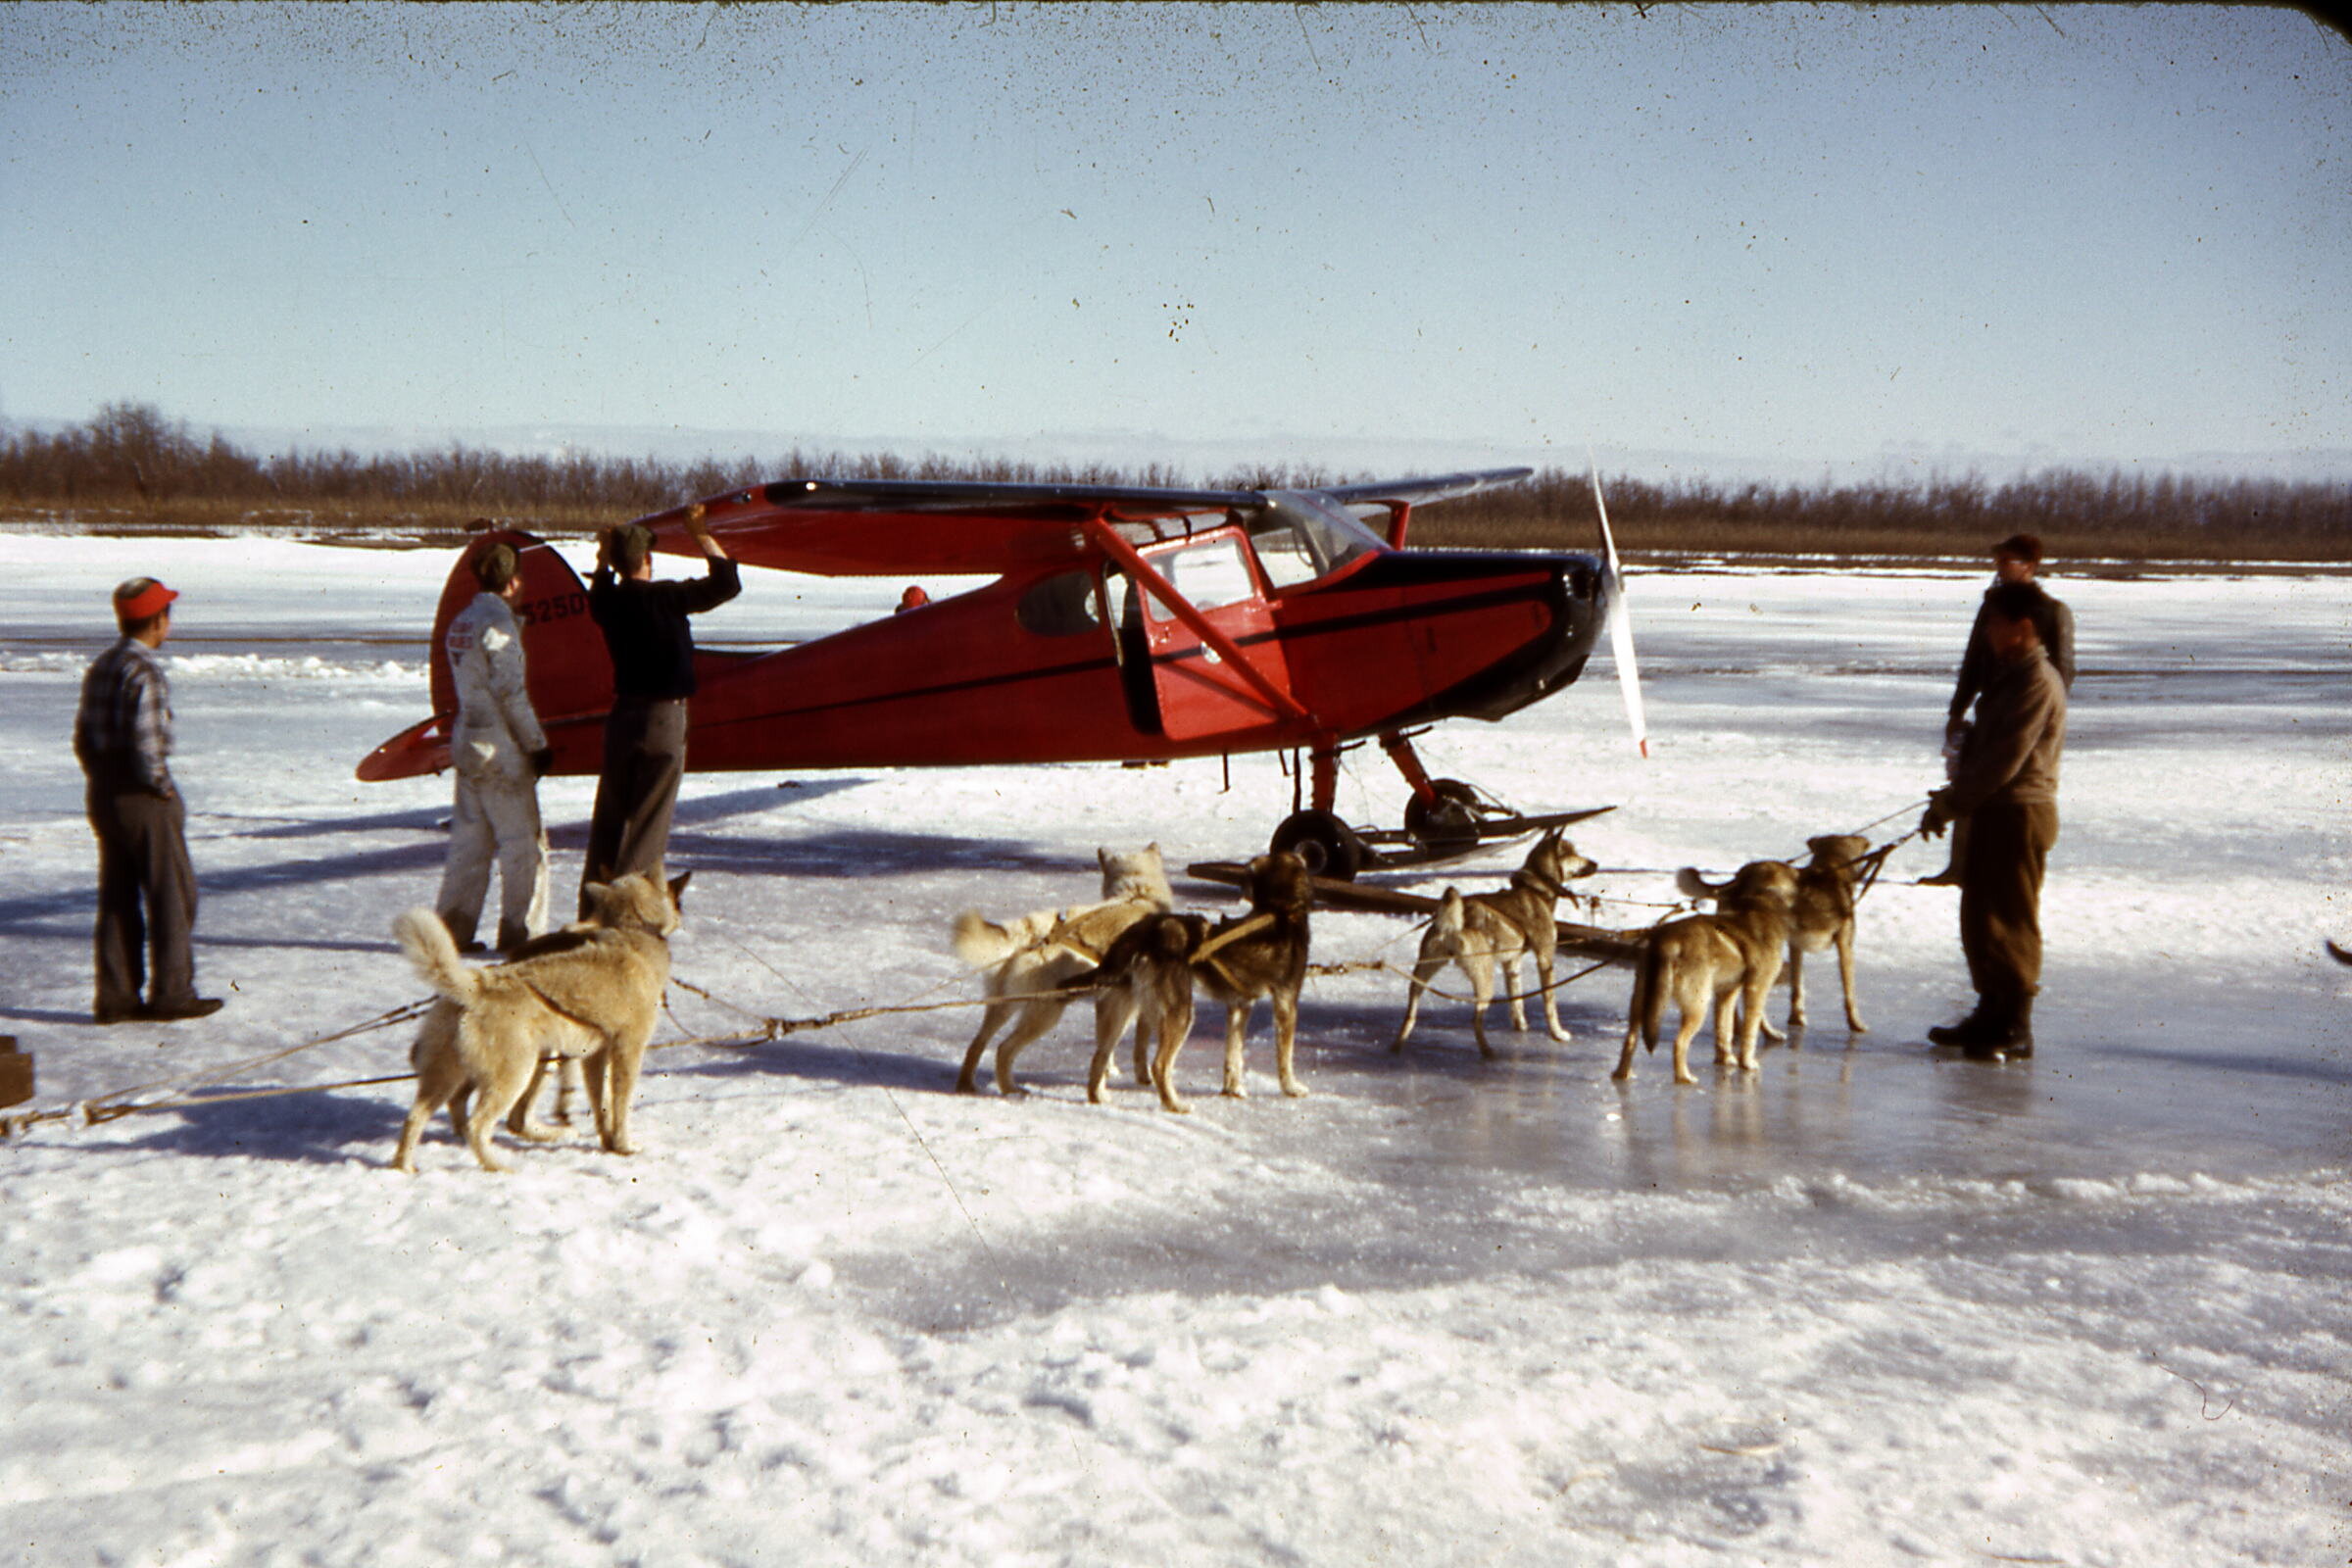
{"x": 146, "y": 886}
{"x": 2006, "y": 784}
{"x": 2015, "y": 559}
{"x": 645, "y": 629}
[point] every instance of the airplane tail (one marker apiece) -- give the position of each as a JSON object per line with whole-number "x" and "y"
{"x": 570, "y": 675}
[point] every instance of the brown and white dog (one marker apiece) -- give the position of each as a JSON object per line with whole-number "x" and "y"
{"x": 1715, "y": 962}
{"x": 1826, "y": 891}
{"x": 1148, "y": 976}
{"x": 1488, "y": 933}
{"x": 1041, "y": 952}
{"x": 592, "y": 991}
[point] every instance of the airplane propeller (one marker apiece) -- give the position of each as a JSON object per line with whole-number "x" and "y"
{"x": 1620, "y": 622}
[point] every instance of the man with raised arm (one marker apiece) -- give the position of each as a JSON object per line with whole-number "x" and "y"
{"x": 646, "y": 631}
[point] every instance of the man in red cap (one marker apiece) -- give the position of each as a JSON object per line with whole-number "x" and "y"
{"x": 122, "y": 736}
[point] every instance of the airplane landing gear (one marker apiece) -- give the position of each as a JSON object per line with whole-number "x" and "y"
{"x": 1446, "y": 819}
{"x": 1329, "y": 846}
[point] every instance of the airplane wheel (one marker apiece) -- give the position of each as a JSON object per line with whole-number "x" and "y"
{"x": 1447, "y": 823}
{"x": 1328, "y": 846}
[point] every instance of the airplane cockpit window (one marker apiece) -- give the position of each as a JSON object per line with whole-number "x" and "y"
{"x": 1302, "y": 536}
{"x": 1060, "y": 606}
{"x": 1209, "y": 574}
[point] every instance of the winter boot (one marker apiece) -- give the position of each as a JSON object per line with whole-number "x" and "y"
{"x": 2009, "y": 1036}
{"x": 1977, "y": 1026}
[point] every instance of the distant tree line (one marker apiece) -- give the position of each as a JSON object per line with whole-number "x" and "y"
{"x": 130, "y": 461}
{"x": 2123, "y": 515}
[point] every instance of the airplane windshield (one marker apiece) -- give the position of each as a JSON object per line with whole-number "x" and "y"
{"x": 1300, "y": 535}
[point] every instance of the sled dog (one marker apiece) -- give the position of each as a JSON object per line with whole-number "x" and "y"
{"x": 1043, "y": 951}
{"x": 1149, "y": 974}
{"x": 1721, "y": 961}
{"x": 1824, "y": 917}
{"x": 1487, "y": 933}
{"x": 591, "y": 989}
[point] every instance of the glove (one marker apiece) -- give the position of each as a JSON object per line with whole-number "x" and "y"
{"x": 543, "y": 761}
{"x": 1938, "y": 815}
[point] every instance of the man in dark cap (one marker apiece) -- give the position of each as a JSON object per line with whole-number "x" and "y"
{"x": 498, "y": 754}
{"x": 2006, "y": 784}
{"x": 146, "y": 885}
{"x": 2015, "y": 559}
{"x": 646, "y": 631}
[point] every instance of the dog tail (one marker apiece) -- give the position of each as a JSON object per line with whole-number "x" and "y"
{"x": 1449, "y": 915}
{"x": 2339, "y": 953}
{"x": 980, "y": 942}
{"x": 1155, "y": 939}
{"x": 1649, "y": 990}
{"x": 1692, "y": 885}
{"x": 434, "y": 953}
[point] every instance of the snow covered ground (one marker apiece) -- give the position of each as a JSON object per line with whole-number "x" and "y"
{"x": 1871, "y": 1306}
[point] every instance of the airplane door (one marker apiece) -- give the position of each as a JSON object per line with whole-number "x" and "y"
{"x": 1200, "y": 695}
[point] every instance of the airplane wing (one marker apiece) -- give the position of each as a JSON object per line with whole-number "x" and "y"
{"x": 885, "y": 527}
{"x": 1441, "y": 487}
{"x": 857, "y": 528}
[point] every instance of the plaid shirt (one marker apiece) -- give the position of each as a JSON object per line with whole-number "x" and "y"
{"x": 123, "y": 731}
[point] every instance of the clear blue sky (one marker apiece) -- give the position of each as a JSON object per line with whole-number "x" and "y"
{"x": 1812, "y": 234}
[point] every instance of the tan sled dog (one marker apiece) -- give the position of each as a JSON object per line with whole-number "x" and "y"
{"x": 1041, "y": 952}
{"x": 1824, "y": 917}
{"x": 1721, "y": 961}
{"x": 592, "y": 991}
{"x": 1487, "y": 933}
{"x": 1149, "y": 974}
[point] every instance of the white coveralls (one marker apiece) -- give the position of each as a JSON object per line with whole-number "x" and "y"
{"x": 496, "y": 815}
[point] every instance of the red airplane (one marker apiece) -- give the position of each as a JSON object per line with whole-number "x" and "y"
{"x": 1122, "y": 625}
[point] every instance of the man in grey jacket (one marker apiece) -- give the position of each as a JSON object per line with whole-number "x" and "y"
{"x": 146, "y": 886}
{"x": 2006, "y": 785}
{"x": 498, "y": 754}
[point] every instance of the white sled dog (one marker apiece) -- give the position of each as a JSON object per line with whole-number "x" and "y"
{"x": 1823, "y": 917}
{"x": 591, "y": 989}
{"x": 1488, "y": 933}
{"x": 1714, "y": 961}
{"x": 1043, "y": 949}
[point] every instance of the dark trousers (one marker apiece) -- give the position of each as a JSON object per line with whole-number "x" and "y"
{"x": 146, "y": 898}
{"x": 645, "y": 757}
{"x": 2000, "y": 903}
